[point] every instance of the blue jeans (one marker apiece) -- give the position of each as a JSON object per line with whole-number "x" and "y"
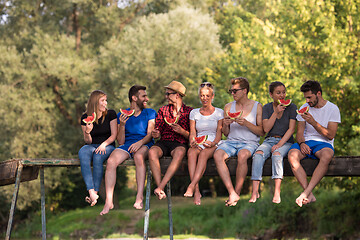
{"x": 277, "y": 160}
{"x": 86, "y": 155}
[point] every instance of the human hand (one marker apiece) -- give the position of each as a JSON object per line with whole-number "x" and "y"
{"x": 276, "y": 146}
{"x": 135, "y": 147}
{"x": 123, "y": 118}
{"x": 305, "y": 149}
{"x": 208, "y": 144}
{"x": 101, "y": 149}
{"x": 155, "y": 133}
{"x": 280, "y": 108}
{"x": 308, "y": 118}
{"x": 241, "y": 121}
{"x": 89, "y": 127}
{"x": 177, "y": 128}
{"x": 228, "y": 121}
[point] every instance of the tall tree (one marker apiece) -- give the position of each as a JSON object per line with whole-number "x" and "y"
{"x": 157, "y": 49}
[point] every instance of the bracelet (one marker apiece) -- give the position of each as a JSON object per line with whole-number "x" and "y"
{"x": 301, "y": 143}
{"x": 87, "y": 132}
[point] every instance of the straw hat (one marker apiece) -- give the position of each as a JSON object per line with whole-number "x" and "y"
{"x": 177, "y": 87}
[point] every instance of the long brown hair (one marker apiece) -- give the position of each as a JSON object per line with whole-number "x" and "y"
{"x": 93, "y": 102}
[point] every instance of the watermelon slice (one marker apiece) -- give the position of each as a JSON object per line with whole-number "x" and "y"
{"x": 303, "y": 110}
{"x": 234, "y": 115}
{"x": 201, "y": 140}
{"x": 90, "y": 119}
{"x": 171, "y": 121}
{"x": 284, "y": 102}
{"x": 128, "y": 113}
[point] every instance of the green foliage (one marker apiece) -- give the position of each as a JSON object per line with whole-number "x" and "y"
{"x": 157, "y": 49}
{"x": 294, "y": 41}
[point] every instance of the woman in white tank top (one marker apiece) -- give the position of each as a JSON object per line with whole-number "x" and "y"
{"x": 204, "y": 121}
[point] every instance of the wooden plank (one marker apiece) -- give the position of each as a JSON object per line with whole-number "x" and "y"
{"x": 339, "y": 166}
{"x": 8, "y": 171}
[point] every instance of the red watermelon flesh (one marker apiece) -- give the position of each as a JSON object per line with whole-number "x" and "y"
{"x": 171, "y": 121}
{"x": 201, "y": 140}
{"x": 234, "y": 115}
{"x": 303, "y": 110}
{"x": 284, "y": 102}
{"x": 90, "y": 119}
{"x": 128, "y": 113}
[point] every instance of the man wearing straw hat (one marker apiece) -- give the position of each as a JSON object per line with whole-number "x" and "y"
{"x": 173, "y": 137}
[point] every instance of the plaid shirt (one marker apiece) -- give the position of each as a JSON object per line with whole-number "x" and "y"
{"x": 167, "y": 133}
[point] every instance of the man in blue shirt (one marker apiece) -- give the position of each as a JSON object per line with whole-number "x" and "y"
{"x": 134, "y": 138}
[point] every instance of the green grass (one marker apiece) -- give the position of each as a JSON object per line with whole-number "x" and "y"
{"x": 335, "y": 214}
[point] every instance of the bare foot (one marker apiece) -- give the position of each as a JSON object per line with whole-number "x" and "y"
{"x": 93, "y": 197}
{"x": 276, "y": 200}
{"x": 302, "y": 199}
{"x": 197, "y": 198}
{"x": 254, "y": 197}
{"x": 311, "y": 198}
{"x": 106, "y": 209}
{"x": 88, "y": 200}
{"x": 189, "y": 192}
{"x": 138, "y": 204}
{"x": 160, "y": 193}
{"x": 233, "y": 199}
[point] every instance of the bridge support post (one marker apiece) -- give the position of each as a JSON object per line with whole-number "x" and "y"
{"x": 14, "y": 199}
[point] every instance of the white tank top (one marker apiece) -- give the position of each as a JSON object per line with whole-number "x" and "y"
{"x": 242, "y": 133}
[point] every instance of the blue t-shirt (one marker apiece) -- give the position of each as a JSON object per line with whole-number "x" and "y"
{"x": 136, "y": 127}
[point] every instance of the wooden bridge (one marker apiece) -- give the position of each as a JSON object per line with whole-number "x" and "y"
{"x": 20, "y": 170}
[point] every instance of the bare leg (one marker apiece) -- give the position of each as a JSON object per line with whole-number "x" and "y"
{"x": 192, "y": 159}
{"x": 155, "y": 153}
{"x": 277, "y": 162}
{"x": 255, "y": 191}
{"x": 177, "y": 155}
{"x": 220, "y": 156}
{"x": 139, "y": 158}
{"x": 241, "y": 169}
{"x": 276, "y": 198}
{"x": 117, "y": 157}
{"x": 325, "y": 155}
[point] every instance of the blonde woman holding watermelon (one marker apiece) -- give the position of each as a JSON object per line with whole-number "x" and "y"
{"x": 99, "y": 136}
{"x": 279, "y": 123}
{"x": 204, "y": 121}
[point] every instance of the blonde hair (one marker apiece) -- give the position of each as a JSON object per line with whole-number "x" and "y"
{"x": 93, "y": 104}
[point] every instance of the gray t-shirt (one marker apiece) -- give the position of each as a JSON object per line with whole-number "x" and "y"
{"x": 281, "y": 125}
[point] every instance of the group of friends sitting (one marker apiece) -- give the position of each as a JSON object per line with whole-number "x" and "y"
{"x": 174, "y": 129}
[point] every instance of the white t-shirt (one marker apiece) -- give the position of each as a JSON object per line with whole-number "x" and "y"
{"x": 206, "y": 125}
{"x": 328, "y": 113}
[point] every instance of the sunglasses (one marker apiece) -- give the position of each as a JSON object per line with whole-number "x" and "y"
{"x": 234, "y": 91}
{"x": 169, "y": 93}
{"x": 207, "y": 84}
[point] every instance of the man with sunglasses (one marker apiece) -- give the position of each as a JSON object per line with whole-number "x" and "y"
{"x": 243, "y": 135}
{"x": 173, "y": 138}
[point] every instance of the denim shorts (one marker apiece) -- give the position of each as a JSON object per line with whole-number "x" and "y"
{"x": 314, "y": 146}
{"x": 125, "y": 147}
{"x": 232, "y": 148}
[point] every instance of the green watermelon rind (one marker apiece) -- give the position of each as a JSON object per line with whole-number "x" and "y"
{"x": 285, "y": 105}
{"x": 202, "y": 141}
{"x": 301, "y": 110}
{"x": 234, "y": 116}
{"x": 170, "y": 123}
{"x": 128, "y": 113}
{"x": 88, "y": 119}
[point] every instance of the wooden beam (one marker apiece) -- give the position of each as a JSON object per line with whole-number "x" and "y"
{"x": 339, "y": 166}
